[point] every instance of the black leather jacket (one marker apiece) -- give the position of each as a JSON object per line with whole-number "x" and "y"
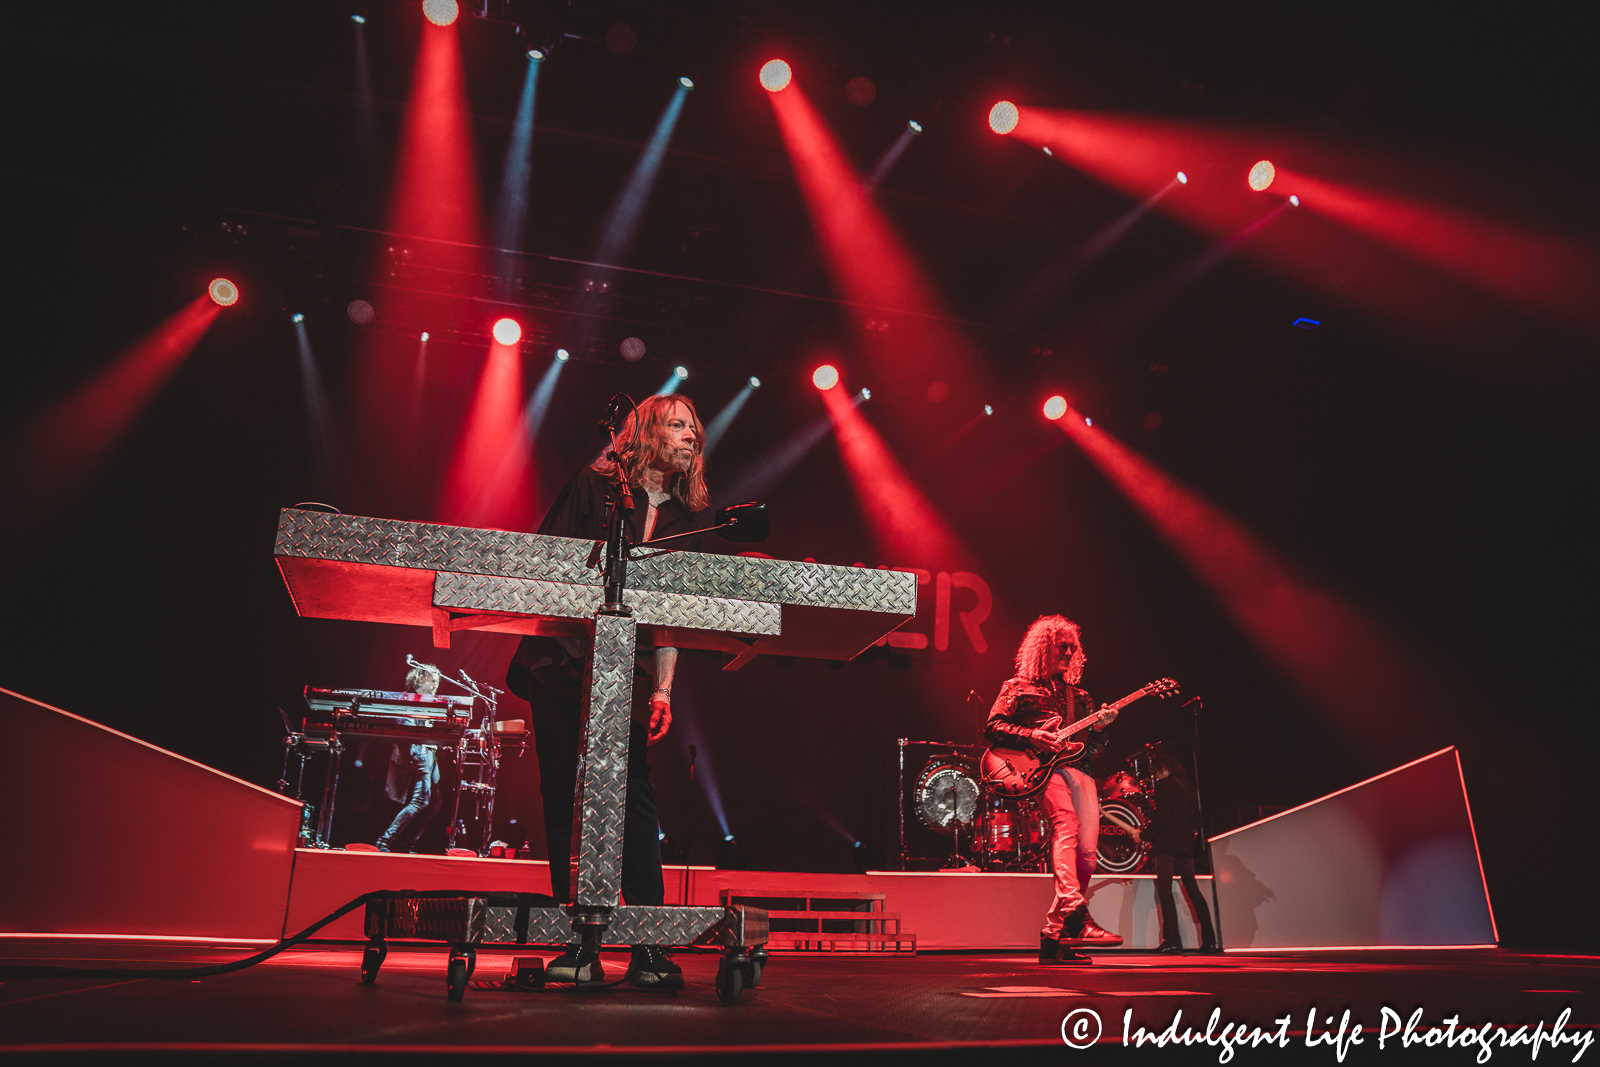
{"x": 1049, "y": 704}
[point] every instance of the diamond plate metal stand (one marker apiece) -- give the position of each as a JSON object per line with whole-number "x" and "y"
{"x": 451, "y": 578}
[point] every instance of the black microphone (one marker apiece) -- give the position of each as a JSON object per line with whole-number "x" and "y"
{"x": 1199, "y": 704}
{"x": 613, "y": 416}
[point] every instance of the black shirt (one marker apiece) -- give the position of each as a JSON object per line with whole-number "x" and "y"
{"x": 1044, "y": 704}
{"x": 1171, "y": 829}
{"x": 580, "y": 511}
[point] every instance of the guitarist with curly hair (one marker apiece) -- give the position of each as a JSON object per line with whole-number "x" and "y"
{"x": 1032, "y": 712}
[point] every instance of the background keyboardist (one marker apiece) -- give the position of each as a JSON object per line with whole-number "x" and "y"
{"x": 413, "y": 778}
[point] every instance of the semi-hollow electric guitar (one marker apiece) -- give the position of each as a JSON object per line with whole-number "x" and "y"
{"x": 1015, "y": 772}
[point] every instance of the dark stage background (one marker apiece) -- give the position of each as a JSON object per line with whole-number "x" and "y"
{"x": 1433, "y": 476}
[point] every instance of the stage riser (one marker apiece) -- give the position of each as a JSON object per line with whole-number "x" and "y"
{"x": 1389, "y": 862}
{"x": 125, "y": 838}
{"x": 993, "y": 912}
{"x": 129, "y": 840}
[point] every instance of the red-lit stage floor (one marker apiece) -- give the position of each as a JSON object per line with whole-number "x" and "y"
{"x": 937, "y": 1006}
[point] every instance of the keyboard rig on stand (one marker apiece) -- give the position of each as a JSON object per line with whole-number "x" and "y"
{"x": 453, "y": 578}
{"x": 340, "y": 716}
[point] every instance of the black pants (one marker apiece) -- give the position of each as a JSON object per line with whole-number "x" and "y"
{"x": 1184, "y": 865}
{"x": 555, "y": 733}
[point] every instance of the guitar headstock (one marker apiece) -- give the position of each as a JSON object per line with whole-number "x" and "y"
{"x": 1163, "y": 688}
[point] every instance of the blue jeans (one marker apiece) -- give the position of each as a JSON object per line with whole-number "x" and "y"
{"x": 425, "y": 801}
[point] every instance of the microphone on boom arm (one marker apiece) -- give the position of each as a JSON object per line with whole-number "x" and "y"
{"x": 612, "y": 420}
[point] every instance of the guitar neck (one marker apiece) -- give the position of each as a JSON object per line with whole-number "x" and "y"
{"x": 1094, "y": 719}
{"x": 1137, "y": 694}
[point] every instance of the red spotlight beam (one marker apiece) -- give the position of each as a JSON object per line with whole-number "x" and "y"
{"x": 904, "y": 525}
{"x": 1341, "y": 661}
{"x": 436, "y": 189}
{"x": 866, "y": 261}
{"x": 1544, "y": 273}
{"x": 61, "y": 446}
{"x": 490, "y": 481}
{"x": 1418, "y": 293}
{"x": 433, "y": 215}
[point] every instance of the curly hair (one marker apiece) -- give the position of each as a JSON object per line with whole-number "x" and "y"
{"x": 1037, "y": 655}
{"x": 643, "y": 432}
{"x": 420, "y": 675}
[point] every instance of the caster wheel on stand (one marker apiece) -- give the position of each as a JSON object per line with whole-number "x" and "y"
{"x": 463, "y": 961}
{"x": 372, "y": 958}
{"x": 758, "y": 960}
{"x": 730, "y": 980}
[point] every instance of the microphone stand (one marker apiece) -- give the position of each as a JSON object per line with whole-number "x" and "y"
{"x": 1211, "y": 860}
{"x": 615, "y": 567}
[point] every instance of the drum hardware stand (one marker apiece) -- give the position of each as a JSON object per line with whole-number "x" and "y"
{"x": 299, "y": 744}
{"x": 957, "y": 859}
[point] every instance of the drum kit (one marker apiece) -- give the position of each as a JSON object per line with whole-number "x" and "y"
{"x": 1001, "y": 833}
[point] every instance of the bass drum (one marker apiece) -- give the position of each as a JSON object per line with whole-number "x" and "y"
{"x": 1119, "y": 853}
{"x": 946, "y": 794}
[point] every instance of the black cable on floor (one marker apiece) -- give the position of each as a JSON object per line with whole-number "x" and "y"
{"x": 259, "y": 957}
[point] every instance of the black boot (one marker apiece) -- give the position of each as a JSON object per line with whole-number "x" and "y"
{"x": 1078, "y": 930}
{"x": 575, "y": 966}
{"x": 651, "y": 969}
{"x": 1053, "y": 953}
